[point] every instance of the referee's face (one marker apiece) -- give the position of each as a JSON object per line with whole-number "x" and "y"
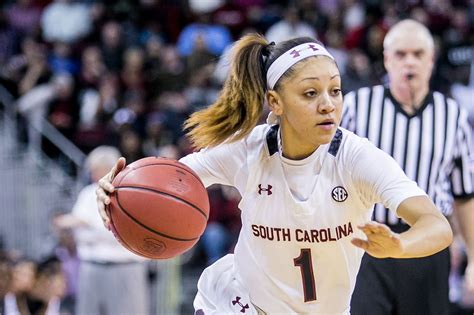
{"x": 409, "y": 60}
{"x": 309, "y": 103}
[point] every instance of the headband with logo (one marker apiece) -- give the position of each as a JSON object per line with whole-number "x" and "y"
{"x": 292, "y": 56}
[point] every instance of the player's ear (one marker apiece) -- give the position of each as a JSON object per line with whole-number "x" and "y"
{"x": 274, "y": 102}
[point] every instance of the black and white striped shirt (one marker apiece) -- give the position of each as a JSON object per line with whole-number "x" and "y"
{"x": 432, "y": 146}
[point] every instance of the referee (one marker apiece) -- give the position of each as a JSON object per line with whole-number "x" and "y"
{"x": 428, "y": 134}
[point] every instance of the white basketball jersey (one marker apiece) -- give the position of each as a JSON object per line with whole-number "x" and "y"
{"x": 295, "y": 256}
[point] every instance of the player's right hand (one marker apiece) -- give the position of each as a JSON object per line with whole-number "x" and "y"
{"x": 105, "y": 188}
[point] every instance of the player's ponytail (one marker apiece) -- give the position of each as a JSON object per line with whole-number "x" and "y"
{"x": 240, "y": 104}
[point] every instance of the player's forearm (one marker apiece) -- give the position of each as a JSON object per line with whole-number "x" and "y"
{"x": 430, "y": 234}
{"x": 464, "y": 211}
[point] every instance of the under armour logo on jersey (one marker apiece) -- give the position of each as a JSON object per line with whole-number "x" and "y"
{"x": 237, "y": 301}
{"x": 296, "y": 53}
{"x": 339, "y": 194}
{"x": 268, "y": 190}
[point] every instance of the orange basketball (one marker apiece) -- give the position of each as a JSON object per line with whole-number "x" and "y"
{"x": 159, "y": 208}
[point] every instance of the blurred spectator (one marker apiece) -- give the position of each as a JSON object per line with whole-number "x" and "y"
{"x": 176, "y": 109}
{"x": 34, "y": 105}
{"x": 8, "y": 40}
{"x": 30, "y": 67}
{"x": 157, "y": 135}
{"x": 112, "y": 280}
{"x": 354, "y": 14}
{"x": 5, "y": 278}
{"x": 112, "y": 45}
{"x": 66, "y": 252}
{"x": 163, "y": 18}
{"x": 216, "y": 37}
{"x": 134, "y": 103}
{"x": 153, "y": 50}
{"x": 248, "y": 4}
{"x": 130, "y": 144}
{"x": 201, "y": 92}
{"x": 199, "y": 58}
{"x": 62, "y": 112}
{"x": 48, "y": 289}
{"x": 66, "y": 21}
{"x": 92, "y": 67}
{"x": 358, "y": 72}
{"x": 200, "y": 7}
{"x": 97, "y": 105}
{"x": 232, "y": 16}
{"x": 390, "y": 14}
{"x": 169, "y": 151}
{"x": 419, "y": 14}
{"x": 24, "y": 16}
{"x": 289, "y": 27}
{"x": 223, "y": 226}
{"x": 132, "y": 74}
{"x": 335, "y": 46}
{"x": 62, "y": 59}
{"x": 23, "y": 279}
{"x": 313, "y": 15}
{"x": 171, "y": 75}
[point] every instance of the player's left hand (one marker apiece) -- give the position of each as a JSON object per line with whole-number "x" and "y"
{"x": 381, "y": 242}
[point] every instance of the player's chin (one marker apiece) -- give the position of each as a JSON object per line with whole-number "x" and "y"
{"x": 326, "y": 137}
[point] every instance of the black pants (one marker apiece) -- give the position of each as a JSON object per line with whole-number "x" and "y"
{"x": 402, "y": 286}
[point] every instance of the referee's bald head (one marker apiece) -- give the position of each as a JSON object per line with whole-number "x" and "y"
{"x": 408, "y": 28}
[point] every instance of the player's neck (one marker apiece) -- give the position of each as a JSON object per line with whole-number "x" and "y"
{"x": 409, "y": 100}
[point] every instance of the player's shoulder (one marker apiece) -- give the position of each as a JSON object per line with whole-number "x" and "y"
{"x": 263, "y": 136}
{"x": 348, "y": 145}
{"x": 351, "y": 140}
{"x": 260, "y": 131}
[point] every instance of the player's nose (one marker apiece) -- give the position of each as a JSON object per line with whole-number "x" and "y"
{"x": 325, "y": 105}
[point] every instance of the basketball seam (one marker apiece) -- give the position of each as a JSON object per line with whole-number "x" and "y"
{"x": 171, "y": 164}
{"x": 166, "y": 194}
{"x": 150, "y": 229}
{"x": 126, "y": 243}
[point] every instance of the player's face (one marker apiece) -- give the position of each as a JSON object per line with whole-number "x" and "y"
{"x": 409, "y": 54}
{"x": 309, "y": 104}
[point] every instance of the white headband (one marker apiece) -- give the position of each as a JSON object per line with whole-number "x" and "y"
{"x": 289, "y": 58}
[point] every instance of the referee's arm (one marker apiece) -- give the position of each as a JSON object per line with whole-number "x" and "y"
{"x": 464, "y": 211}
{"x": 462, "y": 182}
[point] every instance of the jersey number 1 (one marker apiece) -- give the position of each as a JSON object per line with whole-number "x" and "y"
{"x": 305, "y": 263}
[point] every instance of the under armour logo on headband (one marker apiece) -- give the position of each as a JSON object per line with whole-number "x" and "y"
{"x": 296, "y": 53}
{"x": 289, "y": 58}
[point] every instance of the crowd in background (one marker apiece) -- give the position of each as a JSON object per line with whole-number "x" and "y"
{"x": 128, "y": 73}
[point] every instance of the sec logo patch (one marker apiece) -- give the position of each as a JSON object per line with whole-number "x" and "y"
{"x": 339, "y": 194}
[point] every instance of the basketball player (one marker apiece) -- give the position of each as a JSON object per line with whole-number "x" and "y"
{"x": 428, "y": 135}
{"x": 307, "y": 186}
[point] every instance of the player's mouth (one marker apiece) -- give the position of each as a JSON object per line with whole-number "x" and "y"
{"x": 327, "y": 124}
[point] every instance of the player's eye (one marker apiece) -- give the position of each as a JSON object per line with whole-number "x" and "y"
{"x": 336, "y": 92}
{"x": 311, "y": 93}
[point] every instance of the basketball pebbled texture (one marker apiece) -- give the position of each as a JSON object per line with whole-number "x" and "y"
{"x": 159, "y": 208}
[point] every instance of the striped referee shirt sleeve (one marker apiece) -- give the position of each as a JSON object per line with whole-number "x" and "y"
{"x": 462, "y": 176}
{"x": 348, "y": 112}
